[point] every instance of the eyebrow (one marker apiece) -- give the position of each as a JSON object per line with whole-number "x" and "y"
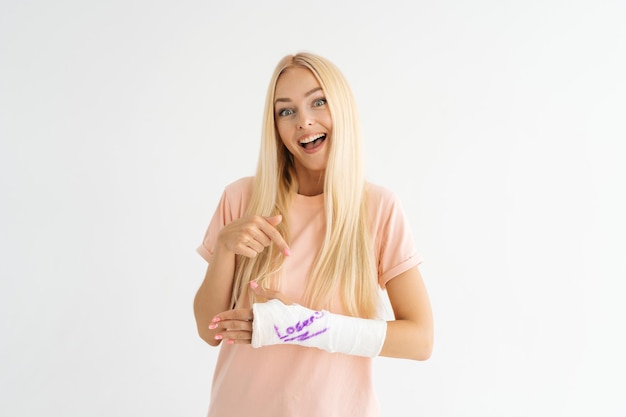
{"x": 308, "y": 93}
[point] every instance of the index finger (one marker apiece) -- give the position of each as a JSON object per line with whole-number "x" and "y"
{"x": 275, "y": 237}
{"x": 243, "y": 314}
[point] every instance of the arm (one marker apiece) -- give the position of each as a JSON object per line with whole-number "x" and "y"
{"x": 410, "y": 335}
{"x": 247, "y": 236}
{"x": 214, "y": 293}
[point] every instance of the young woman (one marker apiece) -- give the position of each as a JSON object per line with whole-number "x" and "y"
{"x": 297, "y": 257}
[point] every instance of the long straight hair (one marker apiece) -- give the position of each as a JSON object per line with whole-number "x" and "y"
{"x": 346, "y": 259}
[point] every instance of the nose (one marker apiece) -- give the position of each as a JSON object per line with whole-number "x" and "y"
{"x": 305, "y": 119}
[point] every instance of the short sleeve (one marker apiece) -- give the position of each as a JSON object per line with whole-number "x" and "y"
{"x": 220, "y": 219}
{"x": 394, "y": 241}
{"x": 231, "y": 206}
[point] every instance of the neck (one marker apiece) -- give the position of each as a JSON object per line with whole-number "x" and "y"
{"x": 310, "y": 183}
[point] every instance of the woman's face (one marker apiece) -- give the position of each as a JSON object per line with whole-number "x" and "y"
{"x": 303, "y": 121}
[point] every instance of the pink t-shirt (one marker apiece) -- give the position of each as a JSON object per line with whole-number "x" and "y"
{"x": 290, "y": 380}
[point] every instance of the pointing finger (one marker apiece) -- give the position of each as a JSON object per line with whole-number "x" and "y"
{"x": 240, "y": 314}
{"x": 274, "y": 235}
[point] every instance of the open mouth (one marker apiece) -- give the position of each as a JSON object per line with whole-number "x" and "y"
{"x": 313, "y": 141}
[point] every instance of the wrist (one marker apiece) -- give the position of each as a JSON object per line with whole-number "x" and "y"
{"x": 221, "y": 249}
{"x": 276, "y": 323}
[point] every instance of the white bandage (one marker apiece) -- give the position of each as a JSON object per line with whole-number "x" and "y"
{"x": 276, "y": 323}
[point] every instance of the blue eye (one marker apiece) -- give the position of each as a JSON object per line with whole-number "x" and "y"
{"x": 319, "y": 102}
{"x": 285, "y": 112}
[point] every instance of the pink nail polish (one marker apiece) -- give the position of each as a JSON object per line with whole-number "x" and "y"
{"x": 215, "y": 319}
{"x": 253, "y": 284}
{"x": 213, "y": 326}
{"x": 218, "y": 337}
{"x": 287, "y": 252}
{"x": 230, "y": 341}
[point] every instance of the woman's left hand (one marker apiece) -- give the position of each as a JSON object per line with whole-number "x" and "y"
{"x": 235, "y": 326}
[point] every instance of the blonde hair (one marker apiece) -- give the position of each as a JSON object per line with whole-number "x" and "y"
{"x": 346, "y": 259}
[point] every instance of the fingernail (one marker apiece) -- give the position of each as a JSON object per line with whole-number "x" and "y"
{"x": 213, "y": 326}
{"x": 253, "y": 284}
{"x": 287, "y": 252}
{"x": 230, "y": 341}
{"x": 215, "y": 319}
{"x": 218, "y": 337}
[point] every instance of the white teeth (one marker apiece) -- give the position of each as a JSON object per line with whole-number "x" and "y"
{"x": 311, "y": 139}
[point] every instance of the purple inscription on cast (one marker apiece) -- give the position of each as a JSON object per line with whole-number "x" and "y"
{"x": 298, "y": 331}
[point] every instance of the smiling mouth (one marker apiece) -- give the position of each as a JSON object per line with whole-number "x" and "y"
{"x": 313, "y": 141}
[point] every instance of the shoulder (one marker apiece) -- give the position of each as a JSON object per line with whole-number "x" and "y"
{"x": 379, "y": 197}
{"x": 237, "y": 195}
{"x": 384, "y": 207}
{"x": 240, "y": 187}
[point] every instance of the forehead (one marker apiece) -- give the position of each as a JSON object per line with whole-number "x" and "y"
{"x": 295, "y": 82}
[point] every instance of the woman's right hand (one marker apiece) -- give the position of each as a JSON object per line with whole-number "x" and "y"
{"x": 235, "y": 326}
{"x": 250, "y": 235}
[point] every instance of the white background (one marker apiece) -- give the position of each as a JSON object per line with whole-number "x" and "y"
{"x": 499, "y": 124}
